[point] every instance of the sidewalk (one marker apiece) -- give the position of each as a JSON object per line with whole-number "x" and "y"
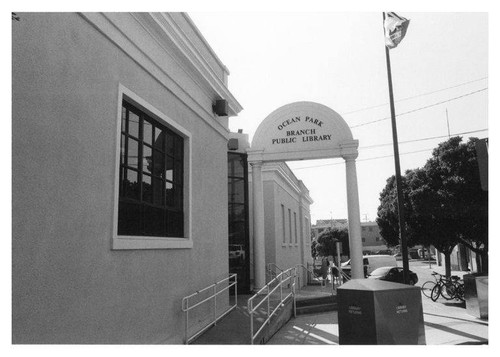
{"x": 446, "y": 322}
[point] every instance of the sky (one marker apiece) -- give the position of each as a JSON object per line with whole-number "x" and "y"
{"x": 439, "y": 73}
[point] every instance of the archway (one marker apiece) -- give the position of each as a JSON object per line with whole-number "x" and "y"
{"x": 304, "y": 131}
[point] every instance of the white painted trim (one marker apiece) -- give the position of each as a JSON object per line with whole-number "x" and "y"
{"x": 116, "y": 34}
{"x": 146, "y": 242}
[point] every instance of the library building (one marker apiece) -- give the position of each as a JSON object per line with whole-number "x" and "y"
{"x": 130, "y": 195}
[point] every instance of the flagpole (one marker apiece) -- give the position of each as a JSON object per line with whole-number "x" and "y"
{"x": 399, "y": 188}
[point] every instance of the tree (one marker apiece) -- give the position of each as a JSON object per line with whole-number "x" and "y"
{"x": 326, "y": 246}
{"x": 454, "y": 173}
{"x": 444, "y": 202}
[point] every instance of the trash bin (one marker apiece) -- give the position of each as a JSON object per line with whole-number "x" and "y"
{"x": 476, "y": 295}
{"x": 377, "y": 312}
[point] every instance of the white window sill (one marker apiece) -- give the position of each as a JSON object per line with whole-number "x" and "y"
{"x": 139, "y": 242}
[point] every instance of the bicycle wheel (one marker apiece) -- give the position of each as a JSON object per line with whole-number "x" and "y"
{"x": 435, "y": 292}
{"x": 460, "y": 292}
{"x": 448, "y": 291}
{"x": 427, "y": 288}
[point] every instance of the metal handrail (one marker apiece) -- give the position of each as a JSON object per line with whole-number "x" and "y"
{"x": 344, "y": 275}
{"x": 310, "y": 271}
{"x": 286, "y": 277}
{"x": 271, "y": 273}
{"x": 186, "y": 304}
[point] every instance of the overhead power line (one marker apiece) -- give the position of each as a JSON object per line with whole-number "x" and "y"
{"x": 392, "y": 155}
{"x": 367, "y": 159}
{"x": 422, "y": 139}
{"x": 413, "y": 97}
{"x": 421, "y": 108}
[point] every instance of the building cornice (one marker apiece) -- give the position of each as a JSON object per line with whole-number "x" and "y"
{"x": 168, "y": 41}
{"x": 190, "y": 55}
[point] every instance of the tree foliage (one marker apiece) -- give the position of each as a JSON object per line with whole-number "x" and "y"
{"x": 325, "y": 244}
{"x": 444, "y": 203}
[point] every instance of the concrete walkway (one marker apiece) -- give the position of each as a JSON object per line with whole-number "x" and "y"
{"x": 446, "y": 323}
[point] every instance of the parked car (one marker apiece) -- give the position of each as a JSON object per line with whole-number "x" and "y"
{"x": 399, "y": 256}
{"x": 236, "y": 252}
{"x": 394, "y": 274}
{"x": 370, "y": 263}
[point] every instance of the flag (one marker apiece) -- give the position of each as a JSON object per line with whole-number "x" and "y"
{"x": 395, "y": 28}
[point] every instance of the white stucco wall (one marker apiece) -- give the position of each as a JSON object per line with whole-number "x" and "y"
{"x": 68, "y": 285}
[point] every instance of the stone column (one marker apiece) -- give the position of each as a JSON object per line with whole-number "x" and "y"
{"x": 259, "y": 253}
{"x": 355, "y": 243}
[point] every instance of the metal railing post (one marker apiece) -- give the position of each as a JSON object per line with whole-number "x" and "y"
{"x": 215, "y": 304}
{"x": 251, "y": 321}
{"x": 268, "y": 305}
{"x": 281, "y": 287}
{"x": 187, "y": 324}
{"x": 235, "y": 292}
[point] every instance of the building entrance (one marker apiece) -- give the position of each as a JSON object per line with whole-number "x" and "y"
{"x": 303, "y": 131}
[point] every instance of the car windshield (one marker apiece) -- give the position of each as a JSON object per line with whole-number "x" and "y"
{"x": 381, "y": 271}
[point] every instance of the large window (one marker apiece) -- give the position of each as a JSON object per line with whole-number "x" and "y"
{"x": 151, "y": 183}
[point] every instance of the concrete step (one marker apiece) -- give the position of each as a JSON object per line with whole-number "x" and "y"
{"x": 312, "y": 305}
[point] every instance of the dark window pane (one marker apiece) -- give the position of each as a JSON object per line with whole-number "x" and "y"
{"x": 147, "y": 162}
{"x": 170, "y": 143}
{"x": 130, "y": 184}
{"x": 154, "y": 221}
{"x": 237, "y": 232}
{"x": 178, "y": 146}
{"x": 170, "y": 194}
{"x": 236, "y": 190}
{"x": 178, "y": 172}
{"x": 133, "y": 153}
{"x": 236, "y": 212}
{"x": 169, "y": 169}
{"x": 159, "y": 162}
{"x": 235, "y": 165}
{"x": 129, "y": 219}
{"x": 175, "y": 225}
{"x": 178, "y": 194}
{"x": 147, "y": 191}
{"x": 158, "y": 198}
{"x": 133, "y": 124}
{"x": 147, "y": 134}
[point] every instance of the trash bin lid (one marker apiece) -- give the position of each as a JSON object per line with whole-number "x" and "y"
{"x": 374, "y": 285}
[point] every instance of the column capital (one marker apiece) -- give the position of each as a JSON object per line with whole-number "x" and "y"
{"x": 256, "y": 164}
{"x": 350, "y": 156}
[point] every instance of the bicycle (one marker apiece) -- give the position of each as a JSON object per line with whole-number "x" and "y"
{"x": 429, "y": 285}
{"x": 459, "y": 290}
{"x": 447, "y": 288}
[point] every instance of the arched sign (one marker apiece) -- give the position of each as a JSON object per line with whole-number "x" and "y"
{"x": 302, "y": 130}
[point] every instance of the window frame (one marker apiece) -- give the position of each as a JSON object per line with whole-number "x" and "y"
{"x": 152, "y": 242}
{"x": 283, "y": 224}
